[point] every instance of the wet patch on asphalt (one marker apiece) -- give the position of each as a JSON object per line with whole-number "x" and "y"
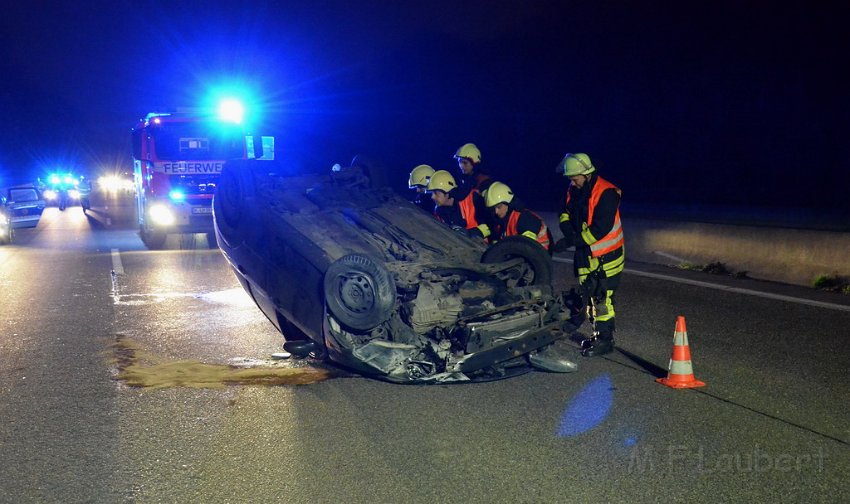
{"x": 136, "y": 367}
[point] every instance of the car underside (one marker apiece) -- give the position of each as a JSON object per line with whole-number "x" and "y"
{"x": 356, "y": 274}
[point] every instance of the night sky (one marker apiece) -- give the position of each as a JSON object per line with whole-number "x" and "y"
{"x": 678, "y": 102}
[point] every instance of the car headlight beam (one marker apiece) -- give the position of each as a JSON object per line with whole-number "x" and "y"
{"x": 161, "y": 215}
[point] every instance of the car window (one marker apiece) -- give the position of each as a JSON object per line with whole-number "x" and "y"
{"x": 19, "y": 195}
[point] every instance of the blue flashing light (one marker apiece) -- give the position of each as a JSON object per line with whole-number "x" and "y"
{"x": 231, "y": 110}
{"x": 54, "y": 179}
{"x": 177, "y": 195}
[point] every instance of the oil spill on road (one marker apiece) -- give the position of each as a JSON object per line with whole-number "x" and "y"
{"x": 139, "y": 368}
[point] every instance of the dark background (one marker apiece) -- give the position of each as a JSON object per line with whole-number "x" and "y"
{"x": 698, "y": 103}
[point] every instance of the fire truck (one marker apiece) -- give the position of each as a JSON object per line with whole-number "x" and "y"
{"x": 177, "y": 160}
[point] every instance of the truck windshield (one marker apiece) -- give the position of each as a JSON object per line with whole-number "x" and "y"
{"x": 177, "y": 141}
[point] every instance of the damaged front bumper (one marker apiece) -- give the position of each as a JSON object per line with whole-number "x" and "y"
{"x": 472, "y": 351}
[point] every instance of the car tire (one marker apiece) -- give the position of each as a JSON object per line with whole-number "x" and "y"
{"x": 234, "y": 199}
{"x": 373, "y": 169}
{"x": 538, "y": 260}
{"x": 359, "y": 292}
{"x": 153, "y": 240}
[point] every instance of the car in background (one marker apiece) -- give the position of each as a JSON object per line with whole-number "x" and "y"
{"x": 24, "y": 205}
{"x": 6, "y": 231}
{"x": 354, "y": 273}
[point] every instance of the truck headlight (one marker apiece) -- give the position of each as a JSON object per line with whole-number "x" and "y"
{"x": 74, "y": 194}
{"x": 161, "y": 215}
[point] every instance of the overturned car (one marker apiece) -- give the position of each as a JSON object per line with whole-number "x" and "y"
{"x": 356, "y": 274}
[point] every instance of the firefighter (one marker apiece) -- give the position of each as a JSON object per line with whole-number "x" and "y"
{"x": 418, "y": 182}
{"x": 513, "y": 218}
{"x": 472, "y": 175}
{"x": 590, "y": 221}
{"x": 462, "y": 209}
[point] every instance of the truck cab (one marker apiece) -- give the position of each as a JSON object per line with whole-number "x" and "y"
{"x": 178, "y": 158}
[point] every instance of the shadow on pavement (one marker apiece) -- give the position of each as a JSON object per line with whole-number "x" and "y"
{"x": 653, "y": 369}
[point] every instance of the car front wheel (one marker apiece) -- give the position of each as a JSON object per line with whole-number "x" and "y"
{"x": 359, "y": 292}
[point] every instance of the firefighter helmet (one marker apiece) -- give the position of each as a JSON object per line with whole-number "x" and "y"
{"x": 498, "y": 193}
{"x": 442, "y": 180}
{"x": 469, "y": 151}
{"x": 419, "y": 176}
{"x": 575, "y": 164}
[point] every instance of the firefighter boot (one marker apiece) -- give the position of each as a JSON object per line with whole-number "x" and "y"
{"x": 601, "y": 344}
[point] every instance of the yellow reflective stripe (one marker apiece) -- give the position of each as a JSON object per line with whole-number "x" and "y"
{"x": 485, "y": 230}
{"x": 616, "y": 234}
{"x": 609, "y": 272}
{"x": 594, "y": 265}
{"x": 530, "y": 234}
{"x": 608, "y": 310}
{"x": 613, "y": 267}
{"x": 587, "y": 236}
{"x": 565, "y": 217}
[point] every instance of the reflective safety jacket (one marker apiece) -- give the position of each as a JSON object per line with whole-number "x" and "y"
{"x": 590, "y": 212}
{"x": 468, "y": 212}
{"x": 527, "y": 223}
{"x": 614, "y": 238}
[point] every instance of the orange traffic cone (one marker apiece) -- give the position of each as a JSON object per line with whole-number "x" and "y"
{"x": 680, "y": 372}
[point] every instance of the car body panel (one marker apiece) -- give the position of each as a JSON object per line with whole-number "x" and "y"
{"x": 25, "y": 205}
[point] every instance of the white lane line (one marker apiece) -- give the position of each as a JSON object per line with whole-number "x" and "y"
{"x": 117, "y": 267}
{"x": 669, "y": 256}
{"x": 737, "y": 290}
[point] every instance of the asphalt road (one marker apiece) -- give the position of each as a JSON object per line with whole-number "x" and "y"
{"x": 771, "y": 425}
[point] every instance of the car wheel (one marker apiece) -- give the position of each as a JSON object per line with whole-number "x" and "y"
{"x": 359, "y": 292}
{"x": 374, "y": 170}
{"x": 153, "y": 240}
{"x": 234, "y": 198}
{"x": 537, "y": 269}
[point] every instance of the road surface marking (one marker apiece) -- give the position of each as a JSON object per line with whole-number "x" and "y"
{"x": 670, "y": 256}
{"x": 117, "y": 267}
{"x": 737, "y": 290}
